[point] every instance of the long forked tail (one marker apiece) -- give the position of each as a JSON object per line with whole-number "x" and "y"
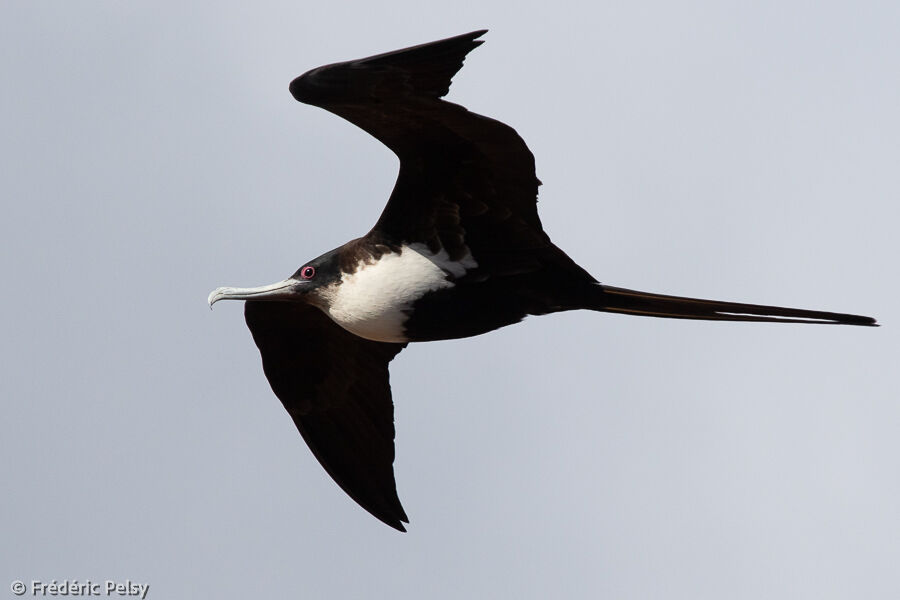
{"x": 633, "y": 302}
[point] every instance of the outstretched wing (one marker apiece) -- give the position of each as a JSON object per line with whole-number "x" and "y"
{"x": 336, "y": 388}
{"x": 467, "y": 183}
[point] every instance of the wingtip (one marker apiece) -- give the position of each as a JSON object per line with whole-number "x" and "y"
{"x": 471, "y": 36}
{"x": 430, "y": 66}
{"x": 398, "y": 526}
{"x": 397, "y": 522}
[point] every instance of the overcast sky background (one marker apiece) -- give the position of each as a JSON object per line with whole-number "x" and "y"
{"x": 151, "y": 152}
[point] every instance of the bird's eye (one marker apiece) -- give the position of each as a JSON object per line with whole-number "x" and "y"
{"x": 308, "y": 272}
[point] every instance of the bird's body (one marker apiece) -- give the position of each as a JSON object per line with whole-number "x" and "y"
{"x": 458, "y": 251}
{"x": 375, "y": 299}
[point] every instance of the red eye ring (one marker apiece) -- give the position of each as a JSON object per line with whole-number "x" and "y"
{"x": 307, "y": 272}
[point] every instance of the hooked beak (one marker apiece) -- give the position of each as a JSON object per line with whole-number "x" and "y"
{"x": 283, "y": 290}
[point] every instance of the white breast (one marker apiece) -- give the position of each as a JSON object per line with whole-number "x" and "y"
{"x": 373, "y": 302}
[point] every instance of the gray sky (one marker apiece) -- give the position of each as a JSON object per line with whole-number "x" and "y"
{"x": 151, "y": 152}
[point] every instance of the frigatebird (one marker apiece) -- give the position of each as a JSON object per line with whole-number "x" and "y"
{"x": 458, "y": 251}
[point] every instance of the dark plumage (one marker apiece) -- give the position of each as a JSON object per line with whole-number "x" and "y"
{"x": 458, "y": 251}
{"x": 335, "y": 387}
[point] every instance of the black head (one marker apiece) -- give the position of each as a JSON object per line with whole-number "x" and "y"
{"x": 302, "y": 286}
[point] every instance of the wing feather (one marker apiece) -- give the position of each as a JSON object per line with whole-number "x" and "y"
{"x": 336, "y": 388}
{"x": 467, "y": 184}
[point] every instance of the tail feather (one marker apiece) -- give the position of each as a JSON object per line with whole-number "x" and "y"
{"x": 633, "y": 302}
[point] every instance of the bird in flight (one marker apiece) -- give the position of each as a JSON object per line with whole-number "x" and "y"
{"x": 458, "y": 251}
